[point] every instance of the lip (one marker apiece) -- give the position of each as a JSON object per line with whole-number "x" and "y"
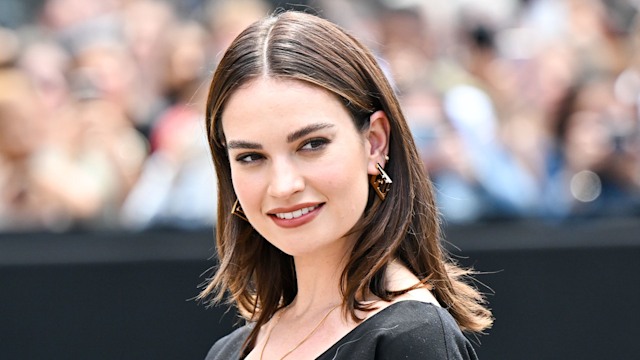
{"x": 298, "y": 221}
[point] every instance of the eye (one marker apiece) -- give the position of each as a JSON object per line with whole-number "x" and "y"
{"x": 249, "y": 158}
{"x": 314, "y": 144}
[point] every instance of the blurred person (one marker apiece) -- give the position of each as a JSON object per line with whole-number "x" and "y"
{"x": 425, "y": 116}
{"x": 458, "y": 192}
{"x": 361, "y": 16}
{"x": 41, "y": 105}
{"x": 481, "y": 177}
{"x": 545, "y": 67}
{"x": 88, "y": 156}
{"x": 225, "y": 19}
{"x": 596, "y": 169}
{"x": 85, "y": 132}
{"x": 327, "y": 231}
{"x": 107, "y": 129}
{"x": 49, "y": 180}
{"x": 178, "y": 170}
{"x": 596, "y": 35}
{"x": 109, "y": 66}
{"x": 169, "y": 191}
{"x": 529, "y": 66}
{"x": 91, "y": 158}
{"x": 485, "y": 65}
{"x": 107, "y": 80}
{"x": 553, "y": 71}
{"x": 99, "y": 43}
{"x": 25, "y": 203}
{"x": 475, "y": 173}
{"x": 186, "y": 67}
{"x": 510, "y": 188}
{"x": 148, "y": 26}
{"x": 47, "y": 63}
{"x": 406, "y": 45}
{"x": 10, "y": 46}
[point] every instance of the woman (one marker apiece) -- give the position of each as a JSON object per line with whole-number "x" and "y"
{"x": 327, "y": 232}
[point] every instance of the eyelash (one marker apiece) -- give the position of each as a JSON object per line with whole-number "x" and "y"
{"x": 243, "y": 158}
{"x": 251, "y": 158}
{"x": 320, "y": 142}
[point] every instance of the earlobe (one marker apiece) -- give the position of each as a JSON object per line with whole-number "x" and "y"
{"x": 378, "y": 137}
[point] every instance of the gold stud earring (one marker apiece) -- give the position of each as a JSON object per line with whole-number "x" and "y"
{"x": 237, "y": 211}
{"x": 381, "y": 183}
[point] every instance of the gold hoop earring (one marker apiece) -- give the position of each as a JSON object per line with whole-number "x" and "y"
{"x": 381, "y": 183}
{"x": 237, "y": 211}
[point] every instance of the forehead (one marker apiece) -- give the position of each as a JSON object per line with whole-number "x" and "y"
{"x": 268, "y": 104}
{"x": 272, "y": 93}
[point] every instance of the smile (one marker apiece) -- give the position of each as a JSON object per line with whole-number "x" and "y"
{"x": 295, "y": 214}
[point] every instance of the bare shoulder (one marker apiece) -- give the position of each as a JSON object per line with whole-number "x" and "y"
{"x": 400, "y": 278}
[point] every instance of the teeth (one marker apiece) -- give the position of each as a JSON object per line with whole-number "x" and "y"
{"x": 295, "y": 214}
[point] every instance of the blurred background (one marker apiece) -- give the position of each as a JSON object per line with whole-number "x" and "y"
{"x": 521, "y": 109}
{"x": 525, "y": 113}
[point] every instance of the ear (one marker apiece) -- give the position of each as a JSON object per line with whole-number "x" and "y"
{"x": 378, "y": 138}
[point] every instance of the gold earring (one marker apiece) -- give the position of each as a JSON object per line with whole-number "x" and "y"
{"x": 381, "y": 183}
{"x": 237, "y": 211}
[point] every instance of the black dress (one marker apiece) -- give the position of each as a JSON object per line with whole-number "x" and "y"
{"x": 404, "y": 330}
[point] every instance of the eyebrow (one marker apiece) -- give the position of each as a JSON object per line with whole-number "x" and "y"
{"x": 241, "y": 144}
{"x": 306, "y": 131}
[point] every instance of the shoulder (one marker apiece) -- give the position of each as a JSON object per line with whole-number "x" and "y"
{"x": 406, "y": 329}
{"x": 229, "y": 346}
{"x": 420, "y": 330}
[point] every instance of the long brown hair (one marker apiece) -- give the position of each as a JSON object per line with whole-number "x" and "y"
{"x": 259, "y": 278}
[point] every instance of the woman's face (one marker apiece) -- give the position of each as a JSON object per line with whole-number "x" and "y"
{"x": 299, "y": 166}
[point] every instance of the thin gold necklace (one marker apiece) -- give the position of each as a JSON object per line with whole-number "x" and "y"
{"x": 301, "y": 341}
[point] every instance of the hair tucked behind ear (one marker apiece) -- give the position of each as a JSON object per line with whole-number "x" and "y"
{"x": 260, "y": 279}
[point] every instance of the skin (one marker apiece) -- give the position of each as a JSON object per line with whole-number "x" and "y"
{"x": 294, "y": 146}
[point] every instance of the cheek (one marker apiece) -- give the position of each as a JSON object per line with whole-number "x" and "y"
{"x": 245, "y": 188}
{"x": 351, "y": 182}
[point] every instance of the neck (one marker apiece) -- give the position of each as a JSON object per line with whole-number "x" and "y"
{"x": 318, "y": 279}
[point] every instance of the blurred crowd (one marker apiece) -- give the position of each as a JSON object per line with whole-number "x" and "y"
{"x": 520, "y": 109}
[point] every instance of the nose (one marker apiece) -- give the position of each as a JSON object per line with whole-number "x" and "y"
{"x": 285, "y": 179}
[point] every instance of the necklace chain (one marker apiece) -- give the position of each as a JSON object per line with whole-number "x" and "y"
{"x": 301, "y": 341}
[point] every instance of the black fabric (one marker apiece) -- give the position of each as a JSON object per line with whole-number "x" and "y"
{"x": 408, "y": 330}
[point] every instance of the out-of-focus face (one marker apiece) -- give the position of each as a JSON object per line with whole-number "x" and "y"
{"x": 21, "y": 117}
{"x": 17, "y": 138}
{"x": 299, "y": 166}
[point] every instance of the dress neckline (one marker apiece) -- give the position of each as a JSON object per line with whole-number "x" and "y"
{"x": 345, "y": 337}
